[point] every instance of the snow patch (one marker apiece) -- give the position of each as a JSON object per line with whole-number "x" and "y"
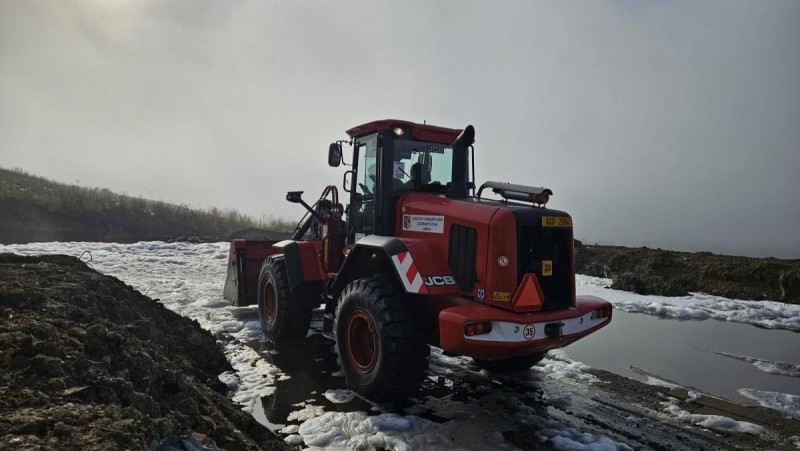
{"x": 782, "y": 402}
{"x": 558, "y": 365}
{"x": 767, "y": 366}
{"x": 570, "y": 438}
{"x": 253, "y": 379}
{"x": 339, "y": 396}
{"x": 356, "y": 430}
{"x": 308, "y": 412}
{"x": 652, "y": 380}
{"x": 715, "y": 422}
{"x": 294, "y": 440}
{"x": 188, "y": 279}
{"x": 696, "y": 306}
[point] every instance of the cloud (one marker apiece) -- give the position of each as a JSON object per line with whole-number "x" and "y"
{"x": 671, "y": 124}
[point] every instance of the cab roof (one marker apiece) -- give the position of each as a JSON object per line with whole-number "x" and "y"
{"x": 421, "y": 132}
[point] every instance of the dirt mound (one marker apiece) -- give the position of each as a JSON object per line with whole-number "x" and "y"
{"x": 671, "y": 273}
{"x": 87, "y": 362}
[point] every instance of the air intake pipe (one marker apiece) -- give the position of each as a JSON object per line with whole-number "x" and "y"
{"x": 458, "y": 182}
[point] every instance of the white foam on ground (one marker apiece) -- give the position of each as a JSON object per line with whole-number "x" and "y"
{"x": 697, "y": 306}
{"x": 767, "y": 366}
{"x": 356, "y": 430}
{"x": 306, "y": 412}
{"x": 294, "y": 440}
{"x": 291, "y": 429}
{"x": 652, "y": 380}
{"x": 253, "y": 378}
{"x": 188, "y": 279}
{"x": 557, "y": 434}
{"x": 782, "y": 402}
{"x": 558, "y": 365}
{"x": 466, "y": 427}
{"x": 339, "y": 396}
{"x": 714, "y": 422}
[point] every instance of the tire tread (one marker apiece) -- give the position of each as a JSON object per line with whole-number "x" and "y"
{"x": 293, "y": 316}
{"x": 404, "y": 358}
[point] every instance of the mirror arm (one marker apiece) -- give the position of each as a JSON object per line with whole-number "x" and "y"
{"x": 295, "y": 197}
{"x": 349, "y": 142}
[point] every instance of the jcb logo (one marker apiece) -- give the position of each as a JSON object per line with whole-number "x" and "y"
{"x": 439, "y": 280}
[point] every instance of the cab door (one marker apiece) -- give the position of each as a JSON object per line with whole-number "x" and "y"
{"x": 364, "y": 196}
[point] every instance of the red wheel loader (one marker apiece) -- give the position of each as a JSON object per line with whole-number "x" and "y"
{"x": 416, "y": 257}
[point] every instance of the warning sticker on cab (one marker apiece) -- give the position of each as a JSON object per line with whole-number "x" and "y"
{"x": 423, "y": 223}
{"x": 556, "y": 221}
{"x": 501, "y": 296}
{"x": 547, "y": 267}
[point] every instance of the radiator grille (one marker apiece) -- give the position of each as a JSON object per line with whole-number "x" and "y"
{"x": 462, "y": 255}
{"x": 539, "y": 244}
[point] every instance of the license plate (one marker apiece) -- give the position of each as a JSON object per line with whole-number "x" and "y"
{"x": 556, "y": 221}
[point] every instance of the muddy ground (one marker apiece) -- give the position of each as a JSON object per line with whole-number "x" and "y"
{"x": 671, "y": 273}
{"x": 89, "y": 363}
{"x": 86, "y": 362}
{"x": 617, "y": 407}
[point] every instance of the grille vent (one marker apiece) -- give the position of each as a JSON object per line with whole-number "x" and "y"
{"x": 462, "y": 255}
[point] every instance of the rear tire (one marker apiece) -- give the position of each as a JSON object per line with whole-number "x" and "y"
{"x": 511, "y": 364}
{"x": 380, "y": 341}
{"x": 285, "y": 315}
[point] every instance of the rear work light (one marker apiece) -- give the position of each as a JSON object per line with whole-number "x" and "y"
{"x": 473, "y": 329}
{"x": 602, "y": 312}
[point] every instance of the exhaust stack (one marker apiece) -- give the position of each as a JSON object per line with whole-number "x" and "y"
{"x": 458, "y": 183}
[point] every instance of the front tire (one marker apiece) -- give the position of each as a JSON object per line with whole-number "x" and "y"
{"x": 285, "y": 315}
{"x": 380, "y": 341}
{"x": 511, "y": 364}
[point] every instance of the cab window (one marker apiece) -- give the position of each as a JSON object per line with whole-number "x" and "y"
{"x": 422, "y": 165}
{"x": 362, "y": 207}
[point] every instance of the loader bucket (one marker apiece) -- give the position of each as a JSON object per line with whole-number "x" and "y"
{"x": 244, "y": 264}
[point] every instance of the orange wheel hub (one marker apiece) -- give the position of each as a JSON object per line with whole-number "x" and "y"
{"x": 361, "y": 341}
{"x": 270, "y": 304}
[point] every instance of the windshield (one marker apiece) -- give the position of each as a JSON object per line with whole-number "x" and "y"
{"x": 422, "y": 165}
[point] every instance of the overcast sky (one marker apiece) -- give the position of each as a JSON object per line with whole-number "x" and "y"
{"x": 672, "y": 124}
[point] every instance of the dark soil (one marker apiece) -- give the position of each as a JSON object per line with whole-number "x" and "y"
{"x": 671, "y": 273}
{"x": 86, "y": 362}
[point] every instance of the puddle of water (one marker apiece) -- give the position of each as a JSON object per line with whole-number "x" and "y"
{"x": 309, "y": 365}
{"x": 309, "y": 369}
{"x": 682, "y": 351}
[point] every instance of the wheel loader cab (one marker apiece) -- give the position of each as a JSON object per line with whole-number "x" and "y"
{"x": 389, "y": 159}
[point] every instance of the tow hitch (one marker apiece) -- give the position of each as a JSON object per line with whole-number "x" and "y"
{"x": 554, "y": 330}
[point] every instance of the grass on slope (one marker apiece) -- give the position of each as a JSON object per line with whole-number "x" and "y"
{"x": 38, "y": 209}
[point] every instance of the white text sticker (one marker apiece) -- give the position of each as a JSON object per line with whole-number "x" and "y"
{"x": 421, "y": 223}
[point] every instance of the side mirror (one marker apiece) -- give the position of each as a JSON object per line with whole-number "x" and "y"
{"x": 334, "y": 155}
{"x": 294, "y": 196}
